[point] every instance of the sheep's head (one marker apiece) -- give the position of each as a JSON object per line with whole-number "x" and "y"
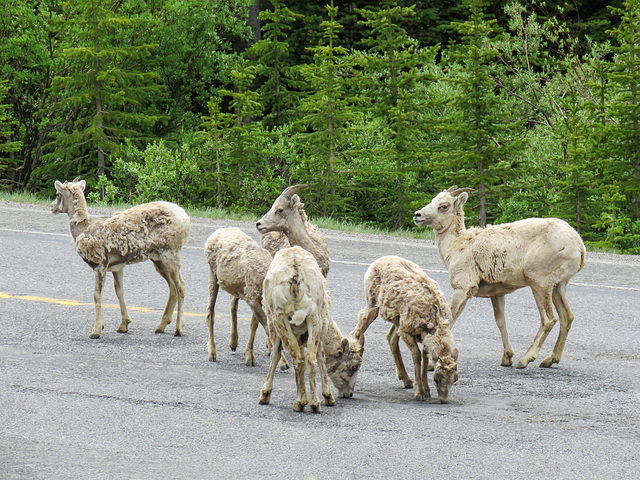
{"x": 67, "y": 194}
{"x": 344, "y": 365}
{"x": 445, "y": 375}
{"x": 443, "y": 209}
{"x": 276, "y": 219}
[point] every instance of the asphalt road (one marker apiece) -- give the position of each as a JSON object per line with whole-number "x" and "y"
{"x": 148, "y": 406}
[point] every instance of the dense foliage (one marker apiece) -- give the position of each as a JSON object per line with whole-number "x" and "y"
{"x": 376, "y": 106}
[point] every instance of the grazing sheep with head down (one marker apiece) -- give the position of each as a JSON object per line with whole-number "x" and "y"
{"x": 153, "y": 231}
{"x": 237, "y": 264}
{"x": 541, "y": 253}
{"x": 401, "y": 292}
{"x": 287, "y": 216}
{"x": 296, "y": 301}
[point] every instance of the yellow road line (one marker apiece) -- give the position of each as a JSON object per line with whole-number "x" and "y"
{"x": 75, "y": 303}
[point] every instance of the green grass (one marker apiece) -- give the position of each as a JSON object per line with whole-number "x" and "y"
{"x": 23, "y": 197}
{"x": 221, "y": 214}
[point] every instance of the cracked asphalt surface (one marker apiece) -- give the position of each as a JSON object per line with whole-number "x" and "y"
{"x": 147, "y": 406}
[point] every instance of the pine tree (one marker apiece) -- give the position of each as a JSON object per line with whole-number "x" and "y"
{"x": 393, "y": 68}
{"x": 326, "y": 113}
{"x": 480, "y": 141}
{"x": 242, "y": 134}
{"x": 101, "y": 96}
{"x": 275, "y": 75}
{"x": 624, "y": 77}
{"x": 7, "y": 125}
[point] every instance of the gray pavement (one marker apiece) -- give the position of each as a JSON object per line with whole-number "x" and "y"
{"x": 147, "y": 406}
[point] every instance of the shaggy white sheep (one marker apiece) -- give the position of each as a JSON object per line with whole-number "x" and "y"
{"x": 401, "y": 292}
{"x": 541, "y": 253}
{"x": 152, "y": 231}
{"x": 287, "y": 215}
{"x": 237, "y": 264}
{"x": 296, "y": 301}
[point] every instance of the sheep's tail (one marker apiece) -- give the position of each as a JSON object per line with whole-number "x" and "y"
{"x": 294, "y": 299}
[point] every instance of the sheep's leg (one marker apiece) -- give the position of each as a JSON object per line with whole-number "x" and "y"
{"x": 167, "y": 315}
{"x": 99, "y": 274}
{"x": 125, "y": 318}
{"x": 417, "y": 365}
{"x": 296, "y": 351}
{"x": 299, "y": 363}
{"x": 259, "y": 317}
{"x": 458, "y": 302}
{"x": 180, "y": 284}
{"x": 498, "y": 313}
{"x": 327, "y": 394}
{"x": 233, "y": 338}
{"x": 313, "y": 350}
{"x": 249, "y": 356}
{"x": 566, "y": 318}
{"x": 547, "y": 321}
{"x": 265, "y": 393}
{"x": 394, "y": 345}
{"x": 211, "y": 313}
{"x": 425, "y": 371}
{"x": 366, "y": 316}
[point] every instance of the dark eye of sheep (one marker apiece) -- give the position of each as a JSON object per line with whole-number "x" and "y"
{"x": 443, "y": 208}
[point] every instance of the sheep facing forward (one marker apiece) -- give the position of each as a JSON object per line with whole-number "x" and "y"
{"x": 152, "y": 231}
{"x": 296, "y": 301}
{"x": 287, "y": 216}
{"x": 541, "y": 253}
{"x": 400, "y": 292}
{"x": 237, "y": 264}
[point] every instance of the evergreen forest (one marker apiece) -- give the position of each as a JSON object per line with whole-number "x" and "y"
{"x": 376, "y": 105}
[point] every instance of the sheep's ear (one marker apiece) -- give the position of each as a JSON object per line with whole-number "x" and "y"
{"x": 295, "y": 201}
{"x": 345, "y": 346}
{"x": 82, "y": 184}
{"x": 59, "y": 186}
{"x": 462, "y": 199}
{"x": 454, "y": 354}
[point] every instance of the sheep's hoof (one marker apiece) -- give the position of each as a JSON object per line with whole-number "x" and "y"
{"x": 212, "y": 358}
{"x": 265, "y": 397}
{"x": 407, "y": 383}
{"x": 94, "y": 335}
{"x": 521, "y": 365}
{"x": 315, "y": 408}
{"x": 298, "y": 406}
{"x": 123, "y": 330}
{"x": 329, "y": 400}
{"x": 284, "y": 366}
{"x": 177, "y": 334}
{"x": 250, "y": 362}
{"x": 421, "y": 398}
{"x": 159, "y": 330}
{"x": 547, "y": 363}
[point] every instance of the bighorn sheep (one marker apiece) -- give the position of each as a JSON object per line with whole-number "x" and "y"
{"x": 401, "y": 293}
{"x": 153, "y": 231}
{"x": 542, "y": 253}
{"x": 296, "y": 301}
{"x": 237, "y": 264}
{"x": 287, "y": 215}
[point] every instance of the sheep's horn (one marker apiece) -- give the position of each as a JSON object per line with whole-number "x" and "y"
{"x": 455, "y": 191}
{"x": 290, "y": 191}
